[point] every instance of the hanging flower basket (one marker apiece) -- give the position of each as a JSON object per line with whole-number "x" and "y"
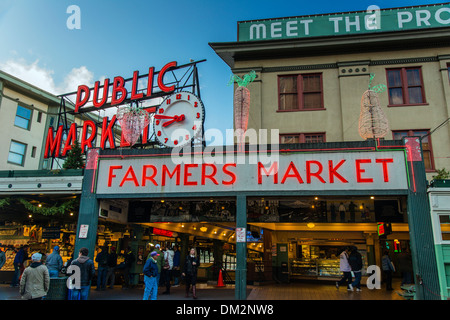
{"x": 133, "y": 120}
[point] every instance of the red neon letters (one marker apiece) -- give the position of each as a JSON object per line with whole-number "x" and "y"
{"x": 119, "y": 91}
{"x": 313, "y": 171}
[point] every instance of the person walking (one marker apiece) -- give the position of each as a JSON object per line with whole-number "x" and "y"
{"x": 2, "y": 258}
{"x": 345, "y": 268}
{"x": 159, "y": 260}
{"x": 112, "y": 264}
{"x": 54, "y": 263}
{"x": 176, "y": 266}
{"x": 151, "y": 277}
{"x": 388, "y": 268}
{"x": 87, "y": 272}
{"x": 102, "y": 260}
{"x": 19, "y": 265}
{"x": 35, "y": 280}
{"x": 167, "y": 268}
{"x": 190, "y": 272}
{"x": 352, "y": 210}
{"x": 355, "y": 261}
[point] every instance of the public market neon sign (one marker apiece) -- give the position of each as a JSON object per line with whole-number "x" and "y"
{"x": 54, "y": 144}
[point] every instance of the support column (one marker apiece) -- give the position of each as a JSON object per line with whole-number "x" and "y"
{"x": 88, "y": 213}
{"x": 420, "y": 227}
{"x": 241, "y": 249}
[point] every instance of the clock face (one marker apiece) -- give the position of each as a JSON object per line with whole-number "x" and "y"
{"x": 179, "y": 119}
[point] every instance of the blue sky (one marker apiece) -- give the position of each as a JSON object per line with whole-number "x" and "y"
{"x": 118, "y": 37}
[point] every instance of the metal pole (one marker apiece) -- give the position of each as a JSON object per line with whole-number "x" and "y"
{"x": 241, "y": 249}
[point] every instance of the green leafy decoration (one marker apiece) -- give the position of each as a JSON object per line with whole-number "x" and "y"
{"x": 377, "y": 88}
{"x": 74, "y": 158}
{"x": 4, "y": 202}
{"x": 61, "y": 209}
{"x": 244, "y": 81}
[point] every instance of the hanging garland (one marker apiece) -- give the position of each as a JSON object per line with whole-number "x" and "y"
{"x": 51, "y": 211}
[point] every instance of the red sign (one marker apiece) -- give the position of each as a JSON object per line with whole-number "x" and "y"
{"x": 162, "y": 232}
{"x": 56, "y": 146}
{"x": 119, "y": 92}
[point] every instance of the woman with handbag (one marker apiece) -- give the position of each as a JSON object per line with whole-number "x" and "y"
{"x": 190, "y": 272}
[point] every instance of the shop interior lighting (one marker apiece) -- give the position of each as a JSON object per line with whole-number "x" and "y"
{"x": 40, "y": 205}
{"x": 372, "y": 197}
{"x": 215, "y": 231}
{"x": 310, "y": 225}
{"x": 162, "y": 201}
{"x": 30, "y": 216}
{"x": 203, "y": 229}
{"x": 316, "y": 198}
{"x": 182, "y": 225}
{"x": 71, "y": 213}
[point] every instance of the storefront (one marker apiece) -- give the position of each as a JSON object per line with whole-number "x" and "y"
{"x": 274, "y": 216}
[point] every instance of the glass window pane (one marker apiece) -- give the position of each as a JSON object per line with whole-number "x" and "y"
{"x": 311, "y": 83}
{"x": 445, "y": 227}
{"x": 400, "y": 135}
{"x": 312, "y": 100}
{"x": 413, "y": 77}
{"x": 17, "y": 148}
{"x": 415, "y": 95}
{"x": 288, "y": 84}
{"x": 394, "y": 78}
{"x": 24, "y": 112}
{"x": 316, "y": 138}
{"x": 395, "y": 96}
{"x": 427, "y": 159}
{"x": 21, "y": 122}
{"x": 288, "y": 102}
{"x": 289, "y": 139}
{"x": 15, "y": 158}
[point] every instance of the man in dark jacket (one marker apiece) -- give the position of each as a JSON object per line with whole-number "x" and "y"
{"x": 355, "y": 261}
{"x": 128, "y": 263}
{"x": 102, "y": 260}
{"x": 151, "y": 277}
{"x": 19, "y": 265}
{"x": 112, "y": 264}
{"x": 86, "y": 271}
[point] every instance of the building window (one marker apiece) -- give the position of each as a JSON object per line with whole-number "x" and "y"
{"x": 426, "y": 145}
{"x": 405, "y": 86}
{"x": 300, "y": 92}
{"x": 39, "y": 117}
{"x": 17, "y": 153}
{"x": 444, "y": 221}
{"x": 23, "y": 117}
{"x": 302, "y": 138}
{"x": 33, "y": 152}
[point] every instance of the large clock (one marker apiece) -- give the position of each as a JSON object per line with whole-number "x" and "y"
{"x": 179, "y": 119}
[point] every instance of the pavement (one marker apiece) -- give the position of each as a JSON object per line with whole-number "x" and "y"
{"x": 204, "y": 292}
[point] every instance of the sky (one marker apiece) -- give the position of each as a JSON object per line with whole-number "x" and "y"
{"x": 118, "y": 37}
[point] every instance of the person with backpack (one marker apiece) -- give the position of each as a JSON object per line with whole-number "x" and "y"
{"x": 102, "y": 260}
{"x": 355, "y": 261}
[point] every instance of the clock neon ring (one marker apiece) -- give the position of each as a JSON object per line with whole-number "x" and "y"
{"x": 179, "y": 119}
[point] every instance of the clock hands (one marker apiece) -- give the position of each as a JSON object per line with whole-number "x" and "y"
{"x": 173, "y": 119}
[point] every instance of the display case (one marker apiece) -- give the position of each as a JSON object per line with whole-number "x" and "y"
{"x": 305, "y": 267}
{"x": 328, "y": 268}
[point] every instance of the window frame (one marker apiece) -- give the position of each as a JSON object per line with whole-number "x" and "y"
{"x": 29, "y": 120}
{"x": 411, "y": 133}
{"x": 404, "y": 86}
{"x": 300, "y": 93}
{"x": 23, "y": 156}
{"x": 302, "y": 135}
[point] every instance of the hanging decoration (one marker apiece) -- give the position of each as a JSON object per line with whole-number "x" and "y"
{"x": 241, "y": 105}
{"x": 373, "y": 122}
{"x": 133, "y": 120}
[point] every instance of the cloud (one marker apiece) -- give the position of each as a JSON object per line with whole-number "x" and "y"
{"x": 43, "y": 78}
